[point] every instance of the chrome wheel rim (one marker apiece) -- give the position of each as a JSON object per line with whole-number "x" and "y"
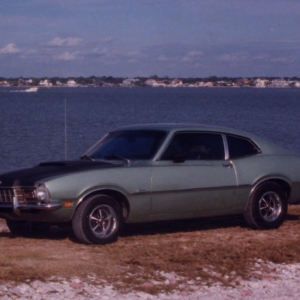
{"x": 270, "y": 206}
{"x": 103, "y": 221}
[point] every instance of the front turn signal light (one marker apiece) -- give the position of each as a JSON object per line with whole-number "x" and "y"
{"x": 68, "y": 204}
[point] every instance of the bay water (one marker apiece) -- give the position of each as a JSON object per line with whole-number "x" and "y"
{"x": 33, "y": 124}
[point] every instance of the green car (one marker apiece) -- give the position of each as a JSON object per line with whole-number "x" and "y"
{"x": 154, "y": 172}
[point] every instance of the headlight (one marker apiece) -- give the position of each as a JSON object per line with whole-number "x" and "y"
{"x": 42, "y": 194}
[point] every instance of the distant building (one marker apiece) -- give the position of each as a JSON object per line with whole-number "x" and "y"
{"x": 129, "y": 82}
{"x": 199, "y": 84}
{"x": 279, "y": 83}
{"x": 222, "y": 83}
{"x": 297, "y": 84}
{"x": 243, "y": 82}
{"x": 71, "y": 83}
{"x": 176, "y": 83}
{"x": 208, "y": 84}
{"x": 261, "y": 83}
{"x": 4, "y": 83}
{"x": 45, "y": 83}
{"x": 154, "y": 83}
{"x": 150, "y": 82}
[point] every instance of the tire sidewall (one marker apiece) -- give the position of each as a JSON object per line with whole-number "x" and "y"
{"x": 89, "y": 206}
{"x": 254, "y": 201}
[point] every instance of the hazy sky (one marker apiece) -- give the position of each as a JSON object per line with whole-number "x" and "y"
{"x": 127, "y": 38}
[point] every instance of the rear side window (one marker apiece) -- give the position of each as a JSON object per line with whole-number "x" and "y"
{"x": 195, "y": 146}
{"x": 240, "y": 147}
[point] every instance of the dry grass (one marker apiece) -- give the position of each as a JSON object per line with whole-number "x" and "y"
{"x": 206, "y": 248}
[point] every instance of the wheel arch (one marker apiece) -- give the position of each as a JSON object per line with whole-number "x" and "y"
{"x": 284, "y": 184}
{"x": 119, "y": 197}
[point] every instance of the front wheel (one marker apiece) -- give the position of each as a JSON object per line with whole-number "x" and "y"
{"x": 98, "y": 220}
{"x": 267, "y": 206}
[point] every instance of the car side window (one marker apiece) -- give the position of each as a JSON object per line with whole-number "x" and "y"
{"x": 130, "y": 144}
{"x": 240, "y": 147}
{"x": 195, "y": 146}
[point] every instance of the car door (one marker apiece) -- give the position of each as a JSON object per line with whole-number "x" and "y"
{"x": 244, "y": 154}
{"x": 192, "y": 177}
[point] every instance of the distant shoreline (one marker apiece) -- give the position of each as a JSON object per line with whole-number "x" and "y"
{"x": 156, "y": 87}
{"x": 153, "y": 81}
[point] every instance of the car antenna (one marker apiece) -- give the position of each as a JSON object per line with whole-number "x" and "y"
{"x": 66, "y": 137}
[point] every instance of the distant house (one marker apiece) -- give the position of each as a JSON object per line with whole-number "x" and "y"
{"x": 150, "y": 82}
{"x": 4, "y": 83}
{"x": 261, "y": 83}
{"x": 246, "y": 82}
{"x": 176, "y": 83}
{"x": 129, "y": 82}
{"x": 28, "y": 81}
{"x": 154, "y": 83}
{"x": 208, "y": 84}
{"x": 71, "y": 83}
{"x": 160, "y": 84}
{"x": 222, "y": 83}
{"x": 297, "y": 84}
{"x": 199, "y": 84}
{"x": 45, "y": 83}
{"x": 243, "y": 82}
{"x": 279, "y": 83}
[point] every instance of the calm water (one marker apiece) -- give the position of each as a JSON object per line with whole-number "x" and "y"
{"x": 32, "y": 124}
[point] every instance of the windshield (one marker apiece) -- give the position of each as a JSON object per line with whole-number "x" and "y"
{"x": 130, "y": 144}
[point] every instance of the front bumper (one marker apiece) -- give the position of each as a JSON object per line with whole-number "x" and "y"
{"x": 15, "y": 199}
{"x": 19, "y": 207}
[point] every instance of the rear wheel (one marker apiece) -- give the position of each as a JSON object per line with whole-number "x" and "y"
{"x": 98, "y": 220}
{"x": 267, "y": 206}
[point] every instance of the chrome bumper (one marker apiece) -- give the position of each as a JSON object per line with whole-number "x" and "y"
{"x": 18, "y": 207}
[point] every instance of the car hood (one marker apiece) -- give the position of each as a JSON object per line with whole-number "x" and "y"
{"x": 28, "y": 177}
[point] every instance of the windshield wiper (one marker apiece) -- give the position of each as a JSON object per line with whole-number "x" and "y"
{"x": 86, "y": 157}
{"x": 114, "y": 156}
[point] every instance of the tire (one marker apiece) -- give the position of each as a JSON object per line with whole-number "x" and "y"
{"x": 98, "y": 220}
{"x": 267, "y": 206}
{"x": 24, "y": 228}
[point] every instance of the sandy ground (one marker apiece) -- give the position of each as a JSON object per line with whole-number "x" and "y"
{"x": 216, "y": 258}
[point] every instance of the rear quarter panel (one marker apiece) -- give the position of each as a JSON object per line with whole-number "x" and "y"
{"x": 255, "y": 169}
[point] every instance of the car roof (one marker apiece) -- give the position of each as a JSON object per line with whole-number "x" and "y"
{"x": 267, "y": 146}
{"x": 184, "y": 127}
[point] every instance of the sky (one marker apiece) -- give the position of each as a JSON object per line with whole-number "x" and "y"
{"x": 129, "y": 38}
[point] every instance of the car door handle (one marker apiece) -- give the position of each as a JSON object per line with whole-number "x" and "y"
{"x": 227, "y": 165}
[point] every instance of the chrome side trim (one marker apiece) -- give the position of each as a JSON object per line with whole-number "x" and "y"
{"x": 194, "y": 189}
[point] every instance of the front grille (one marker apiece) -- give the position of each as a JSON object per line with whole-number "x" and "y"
{"x": 7, "y": 194}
